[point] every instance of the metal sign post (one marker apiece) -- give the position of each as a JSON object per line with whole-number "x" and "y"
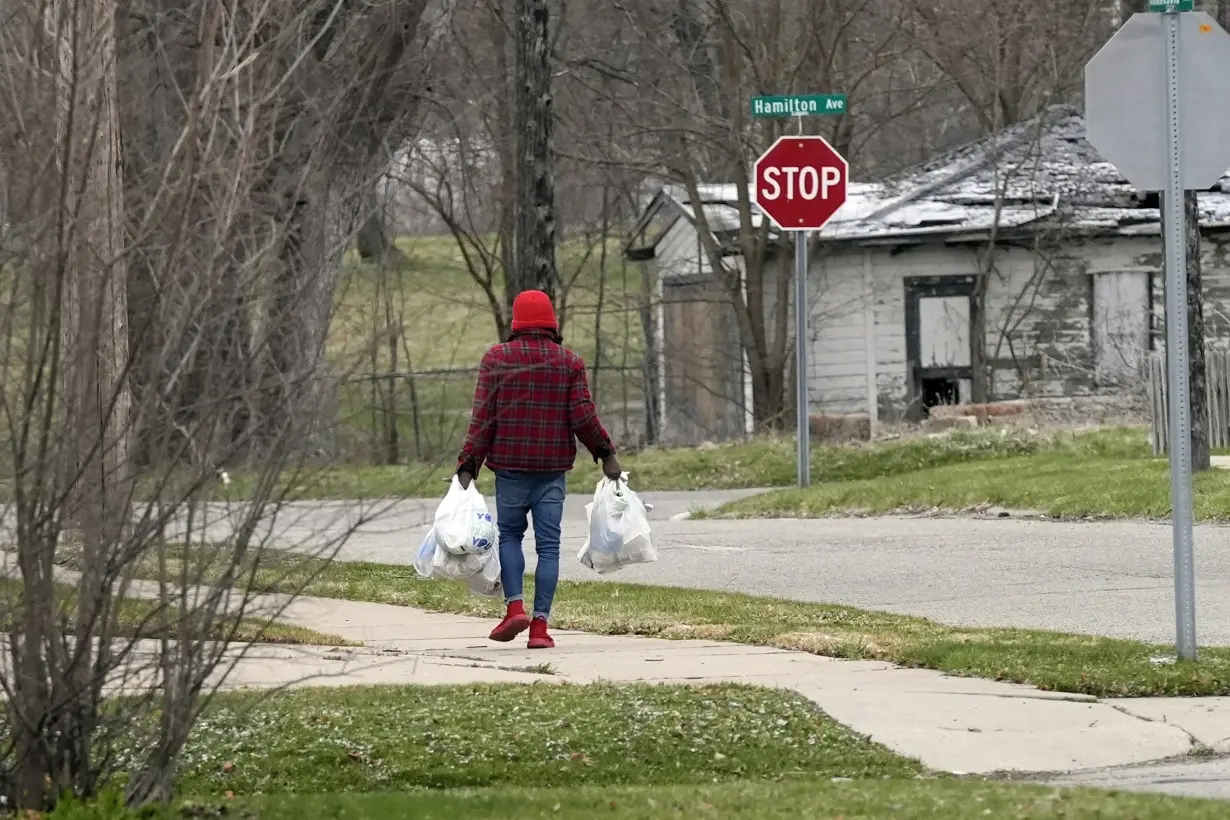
{"x": 802, "y": 411}
{"x": 1174, "y": 229}
{"x": 800, "y": 182}
{"x": 1148, "y": 112}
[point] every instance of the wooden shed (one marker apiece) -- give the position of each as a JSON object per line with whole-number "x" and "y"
{"x": 1027, "y": 238}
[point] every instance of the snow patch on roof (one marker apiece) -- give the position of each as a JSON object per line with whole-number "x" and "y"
{"x": 1042, "y": 170}
{"x": 721, "y": 206}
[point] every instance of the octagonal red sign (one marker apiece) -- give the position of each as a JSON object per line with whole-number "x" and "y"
{"x": 800, "y": 182}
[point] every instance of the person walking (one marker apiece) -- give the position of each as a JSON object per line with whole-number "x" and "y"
{"x": 531, "y": 404}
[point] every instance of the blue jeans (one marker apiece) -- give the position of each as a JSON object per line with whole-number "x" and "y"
{"x": 517, "y": 496}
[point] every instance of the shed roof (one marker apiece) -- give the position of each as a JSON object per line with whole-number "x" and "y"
{"x": 1039, "y": 172}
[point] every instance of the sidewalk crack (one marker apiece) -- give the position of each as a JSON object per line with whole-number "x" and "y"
{"x": 1197, "y": 746}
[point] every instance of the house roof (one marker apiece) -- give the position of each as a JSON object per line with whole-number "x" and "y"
{"x": 1040, "y": 172}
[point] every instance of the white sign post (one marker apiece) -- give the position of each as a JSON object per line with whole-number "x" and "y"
{"x": 1151, "y": 110}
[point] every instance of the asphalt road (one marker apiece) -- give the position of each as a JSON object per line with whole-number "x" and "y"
{"x": 1096, "y": 578}
{"x": 1185, "y": 778}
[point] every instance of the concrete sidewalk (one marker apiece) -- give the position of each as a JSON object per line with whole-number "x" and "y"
{"x": 964, "y": 725}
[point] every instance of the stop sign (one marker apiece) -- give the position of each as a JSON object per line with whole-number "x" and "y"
{"x": 800, "y": 182}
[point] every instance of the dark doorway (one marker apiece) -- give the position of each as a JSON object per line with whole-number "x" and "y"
{"x": 940, "y": 315}
{"x": 938, "y": 392}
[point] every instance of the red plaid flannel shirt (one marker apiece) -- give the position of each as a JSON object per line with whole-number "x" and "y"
{"x": 531, "y": 404}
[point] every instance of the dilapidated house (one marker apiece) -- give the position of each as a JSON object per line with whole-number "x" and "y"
{"x": 1026, "y": 241}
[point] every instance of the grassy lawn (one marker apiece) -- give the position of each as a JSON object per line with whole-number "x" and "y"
{"x": 441, "y": 323}
{"x": 139, "y": 618}
{"x": 938, "y": 799}
{"x": 401, "y": 481}
{"x": 1049, "y": 660}
{"x": 771, "y": 462}
{"x": 447, "y": 737}
{"x": 1054, "y": 485}
{"x": 447, "y": 319}
{"x": 921, "y": 799}
{"x": 765, "y": 462}
{"x": 542, "y": 750}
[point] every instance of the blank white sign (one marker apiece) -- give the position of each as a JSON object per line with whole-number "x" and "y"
{"x": 943, "y": 331}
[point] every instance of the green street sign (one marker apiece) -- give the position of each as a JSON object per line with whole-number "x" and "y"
{"x": 1172, "y": 5}
{"x": 799, "y": 105}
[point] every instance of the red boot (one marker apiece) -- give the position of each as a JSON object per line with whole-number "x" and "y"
{"x": 539, "y": 639}
{"x": 515, "y": 622}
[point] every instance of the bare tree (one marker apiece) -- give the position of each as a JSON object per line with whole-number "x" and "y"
{"x": 1013, "y": 61}
{"x": 85, "y": 351}
{"x": 1009, "y": 60}
{"x": 454, "y": 175}
{"x": 373, "y": 241}
{"x": 745, "y": 49}
{"x": 217, "y": 233}
{"x": 349, "y": 83}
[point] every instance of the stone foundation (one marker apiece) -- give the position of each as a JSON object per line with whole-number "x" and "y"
{"x": 1080, "y": 411}
{"x": 839, "y": 429}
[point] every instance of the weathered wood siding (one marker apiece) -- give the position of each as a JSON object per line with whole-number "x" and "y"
{"x": 837, "y": 357}
{"x": 700, "y": 359}
{"x": 1039, "y": 319}
{"x": 1145, "y": 254}
{"x": 1039, "y": 308}
{"x": 679, "y": 253}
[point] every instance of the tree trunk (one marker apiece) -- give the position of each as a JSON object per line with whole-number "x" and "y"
{"x": 189, "y": 328}
{"x": 509, "y": 143}
{"x": 57, "y": 694}
{"x": 1197, "y": 377}
{"x": 295, "y": 391}
{"x": 770, "y": 393}
{"x": 980, "y": 383}
{"x": 98, "y": 394}
{"x": 693, "y": 31}
{"x": 648, "y": 314}
{"x": 373, "y": 241}
{"x": 535, "y": 255}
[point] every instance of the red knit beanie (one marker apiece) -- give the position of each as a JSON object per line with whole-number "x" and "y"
{"x": 532, "y": 310}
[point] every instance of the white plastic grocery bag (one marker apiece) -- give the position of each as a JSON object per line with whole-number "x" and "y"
{"x": 487, "y": 581}
{"x": 463, "y": 526}
{"x": 618, "y": 529}
{"x": 427, "y": 554}
{"x": 480, "y": 572}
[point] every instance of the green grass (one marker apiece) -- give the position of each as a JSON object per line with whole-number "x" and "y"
{"x": 443, "y": 322}
{"x": 1053, "y": 485}
{"x": 771, "y": 462}
{"x": 138, "y": 618}
{"x": 1102, "y": 474}
{"x": 920, "y": 799}
{"x": 545, "y": 750}
{"x": 348, "y": 483}
{"x": 764, "y": 462}
{"x": 448, "y": 737}
{"x": 446, "y": 315}
{"x": 1055, "y": 661}
{"x": 937, "y": 799}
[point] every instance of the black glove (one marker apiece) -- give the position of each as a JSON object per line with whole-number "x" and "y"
{"x": 465, "y": 479}
{"x": 611, "y": 468}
